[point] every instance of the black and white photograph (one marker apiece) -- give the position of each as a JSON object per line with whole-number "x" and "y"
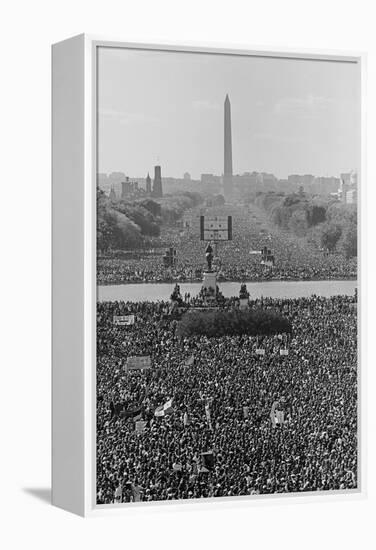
{"x": 227, "y": 189}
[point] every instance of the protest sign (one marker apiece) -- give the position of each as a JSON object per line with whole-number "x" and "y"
{"x": 124, "y": 320}
{"x": 138, "y": 362}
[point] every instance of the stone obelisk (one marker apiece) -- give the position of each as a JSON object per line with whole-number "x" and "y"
{"x": 227, "y": 173}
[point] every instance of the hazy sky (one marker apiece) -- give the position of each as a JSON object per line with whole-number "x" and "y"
{"x": 288, "y": 116}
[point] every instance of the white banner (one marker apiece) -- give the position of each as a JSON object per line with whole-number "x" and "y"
{"x": 140, "y": 426}
{"x": 165, "y": 409}
{"x": 124, "y": 320}
{"x": 138, "y": 362}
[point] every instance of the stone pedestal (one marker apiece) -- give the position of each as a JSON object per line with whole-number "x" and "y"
{"x": 210, "y": 280}
{"x": 244, "y": 303}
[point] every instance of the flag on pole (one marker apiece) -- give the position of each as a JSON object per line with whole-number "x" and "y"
{"x": 165, "y": 409}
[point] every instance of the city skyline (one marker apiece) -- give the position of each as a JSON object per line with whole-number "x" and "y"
{"x": 288, "y": 116}
{"x": 119, "y": 174}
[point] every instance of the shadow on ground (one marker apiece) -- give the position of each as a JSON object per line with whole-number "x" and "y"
{"x": 41, "y": 493}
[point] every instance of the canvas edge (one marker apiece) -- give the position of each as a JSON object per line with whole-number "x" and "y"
{"x": 67, "y": 381}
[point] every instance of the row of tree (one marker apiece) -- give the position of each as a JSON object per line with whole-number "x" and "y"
{"x": 339, "y": 231}
{"x": 327, "y": 222}
{"x": 233, "y": 322}
{"x": 174, "y": 206}
{"x": 126, "y": 225}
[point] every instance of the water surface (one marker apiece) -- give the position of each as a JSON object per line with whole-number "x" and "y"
{"x": 273, "y": 289}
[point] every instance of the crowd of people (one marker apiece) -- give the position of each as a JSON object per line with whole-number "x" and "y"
{"x": 294, "y": 258}
{"x": 199, "y": 421}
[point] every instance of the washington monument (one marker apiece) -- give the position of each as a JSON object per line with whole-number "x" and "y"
{"x": 227, "y": 174}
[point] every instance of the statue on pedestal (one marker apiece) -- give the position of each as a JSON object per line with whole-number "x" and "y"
{"x": 209, "y": 256}
{"x": 210, "y": 275}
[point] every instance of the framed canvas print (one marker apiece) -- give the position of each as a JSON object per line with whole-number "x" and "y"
{"x": 206, "y": 275}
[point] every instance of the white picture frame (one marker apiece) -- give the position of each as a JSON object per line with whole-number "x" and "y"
{"x": 74, "y": 274}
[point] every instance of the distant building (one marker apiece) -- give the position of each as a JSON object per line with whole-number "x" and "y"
{"x": 173, "y": 185}
{"x": 349, "y": 178}
{"x": 102, "y": 179}
{"x": 351, "y": 196}
{"x": 129, "y": 188}
{"x": 112, "y": 195}
{"x": 210, "y": 179}
{"x": 267, "y": 178}
{"x": 345, "y": 178}
{"x": 116, "y": 177}
{"x": 325, "y": 185}
{"x": 187, "y": 176}
{"x": 308, "y": 179}
{"x": 293, "y": 178}
{"x": 249, "y": 179}
{"x": 305, "y": 180}
{"x": 347, "y": 191}
{"x": 157, "y": 183}
{"x": 148, "y": 185}
{"x": 125, "y": 188}
{"x": 322, "y": 185}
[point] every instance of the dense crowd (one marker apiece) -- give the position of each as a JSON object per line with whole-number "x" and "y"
{"x": 217, "y": 437}
{"x": 295, "y": 259}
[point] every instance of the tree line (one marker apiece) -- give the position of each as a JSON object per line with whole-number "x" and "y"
{"x": 328, "y": 223}
{"x": 234, "y": 322}
{"x": 126, "y": 225}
